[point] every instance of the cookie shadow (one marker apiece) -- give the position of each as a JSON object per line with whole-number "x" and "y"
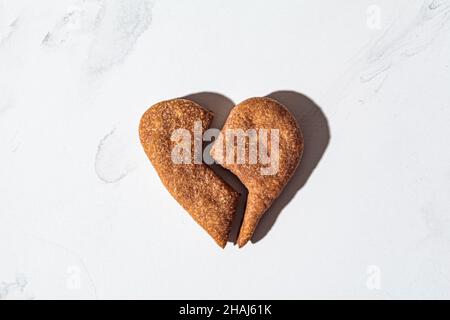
{"x": 316, "y": 135}
{"x": 221, "y": 107}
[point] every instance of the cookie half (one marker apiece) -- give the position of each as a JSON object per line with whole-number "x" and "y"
{"x": 204, "y": 195}
{"x": 275, "y": 127}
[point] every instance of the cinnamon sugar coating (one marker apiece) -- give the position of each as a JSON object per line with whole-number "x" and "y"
{"x": 262, "y": 113}
{"x": 204, "y": 195}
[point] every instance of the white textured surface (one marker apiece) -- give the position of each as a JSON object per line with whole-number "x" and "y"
{"x": 83, "y": 214}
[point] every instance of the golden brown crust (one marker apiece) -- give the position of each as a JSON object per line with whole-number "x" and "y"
{"x": 262, "y": 113}
{"x": 204, "y": 195}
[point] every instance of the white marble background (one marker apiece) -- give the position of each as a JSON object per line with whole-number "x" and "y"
{"x": 83, "y": 214}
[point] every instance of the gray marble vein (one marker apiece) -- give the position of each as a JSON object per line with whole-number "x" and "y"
{"x": 7, "y": 31}
{"x": 118, "y": 34}
{"x": 80, "y": 19}
{"x": 15, "y": 290}
{"x": 111, "y": 164}
{"x": 6, "y": 103}
{"x": 113, "y": 27}
{"x": 15, "y": 142}
{"x": 76, "y": 255}
{"x": 403, "y": 38}
{"x": 399, "y": 43}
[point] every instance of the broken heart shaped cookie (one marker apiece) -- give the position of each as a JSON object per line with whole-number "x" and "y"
{"x": 204, "y": 195}
{"x": 262, "y": 144}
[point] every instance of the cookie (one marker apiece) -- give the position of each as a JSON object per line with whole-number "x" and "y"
{"x": 204, "y": 195}
{"x": 283, "y": 147}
